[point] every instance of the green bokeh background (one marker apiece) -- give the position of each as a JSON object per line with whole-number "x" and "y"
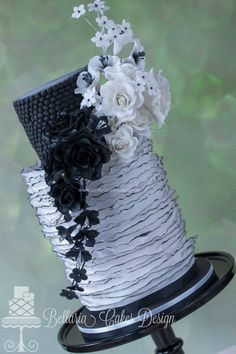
{"x": 193, "y": 41}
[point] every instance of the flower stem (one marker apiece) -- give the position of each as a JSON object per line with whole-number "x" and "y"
{"x": 90, "y": 24}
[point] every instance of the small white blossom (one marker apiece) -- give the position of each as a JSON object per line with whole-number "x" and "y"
{"x": 114, "y": 31}
{"x": 98, "y": 6}
{"x": 144, "y": 76}
{"x": 78, "y": 11}
{"x": 122, "y": 143}
{"x": 104, "y": 22}
{"x": 101, "y": 40}
{"x": 152, "y": 84}
{"x": 141, "y": 84}
{"x": 89, "y": 98}
{"x": 141, "y": 77}
{"x": 126, "y": 28}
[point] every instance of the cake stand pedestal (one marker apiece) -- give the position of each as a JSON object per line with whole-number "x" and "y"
{"x": 74, "y": 341}
{"x": 21, "y": 323}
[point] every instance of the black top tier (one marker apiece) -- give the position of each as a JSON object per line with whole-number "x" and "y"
{"x": 38, "y": 108}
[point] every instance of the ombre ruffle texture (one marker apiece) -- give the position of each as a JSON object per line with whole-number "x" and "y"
{"x": 142, "y": 246}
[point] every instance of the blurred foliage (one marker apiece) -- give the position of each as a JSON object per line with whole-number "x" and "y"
{"x": 193, "y": 41}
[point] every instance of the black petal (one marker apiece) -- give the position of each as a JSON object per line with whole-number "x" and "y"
{"x": 65, "y": 234}
{"x": 86, "y": 256}
{"x": 90, "y": 242}
{"x": 88, "y": 215}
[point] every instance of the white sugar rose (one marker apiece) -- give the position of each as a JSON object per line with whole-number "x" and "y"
{"x": 159, "y": 105}
{"x": 122, "y": 143}
{"x": 141, "y": 123}
{"x": 120, "y": 98}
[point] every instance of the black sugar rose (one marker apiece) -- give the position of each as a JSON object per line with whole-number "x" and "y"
{"x": 67, "y": 196}
{"x": 82, "y": 155}
{"x": 66, "y": 122}
{"x": 79, "y": 148}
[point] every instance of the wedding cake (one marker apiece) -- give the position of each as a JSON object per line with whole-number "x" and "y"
{"x": 101, "y": 194}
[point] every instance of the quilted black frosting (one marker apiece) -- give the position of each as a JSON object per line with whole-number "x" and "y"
{"x": 41, "y": 106}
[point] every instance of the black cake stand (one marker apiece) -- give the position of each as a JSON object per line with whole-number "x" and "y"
{"x": 222, "y": 266}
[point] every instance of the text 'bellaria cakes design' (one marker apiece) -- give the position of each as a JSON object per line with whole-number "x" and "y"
{"x": 100, "y": 193}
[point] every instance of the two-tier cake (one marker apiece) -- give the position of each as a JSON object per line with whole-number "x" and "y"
{"x": 100, "y": 193}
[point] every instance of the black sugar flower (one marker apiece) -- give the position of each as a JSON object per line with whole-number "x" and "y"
{"x": 85, "y": 256}
{"x": 87, "y": 235}
{"x": 78, "y": 274}
{"x": 78, "y": 152}
{"x": 74, "y": 252}
{"x": 68, "y": 196}
{"x": 69, "y": 294}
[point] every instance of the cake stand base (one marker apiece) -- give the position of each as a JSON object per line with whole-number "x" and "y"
{"x": 166, "y": 341}
{"x": 77, "y": 341}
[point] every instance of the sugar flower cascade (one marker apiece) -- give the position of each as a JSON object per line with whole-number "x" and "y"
{"x": 131, "y": 97}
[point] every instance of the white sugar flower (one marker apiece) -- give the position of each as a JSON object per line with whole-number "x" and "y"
{"x": 89, "y": 98}
{"x": 104, "y": 22}
{"x": 137, "y": 55}
{"x": 78, "y": 11}
{"x": 159, "y": 106}
{"x": 141, "y": 123}
{"x": 125, "y": 69}
{"x": 99, "y": 63}
{"x": 101, "y": 40}
{"x": 120, "y": 98}
{"x": 141, "y": 80}
{"x": 98, "y": 6}
{"x": 122, "y": 143}
{"x": 84, "y": 81}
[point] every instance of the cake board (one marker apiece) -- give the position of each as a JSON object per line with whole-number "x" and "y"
{"x": 217, "y": 268}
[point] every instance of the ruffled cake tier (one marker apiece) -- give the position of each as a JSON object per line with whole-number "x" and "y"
{"x": 142, "y": 245}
